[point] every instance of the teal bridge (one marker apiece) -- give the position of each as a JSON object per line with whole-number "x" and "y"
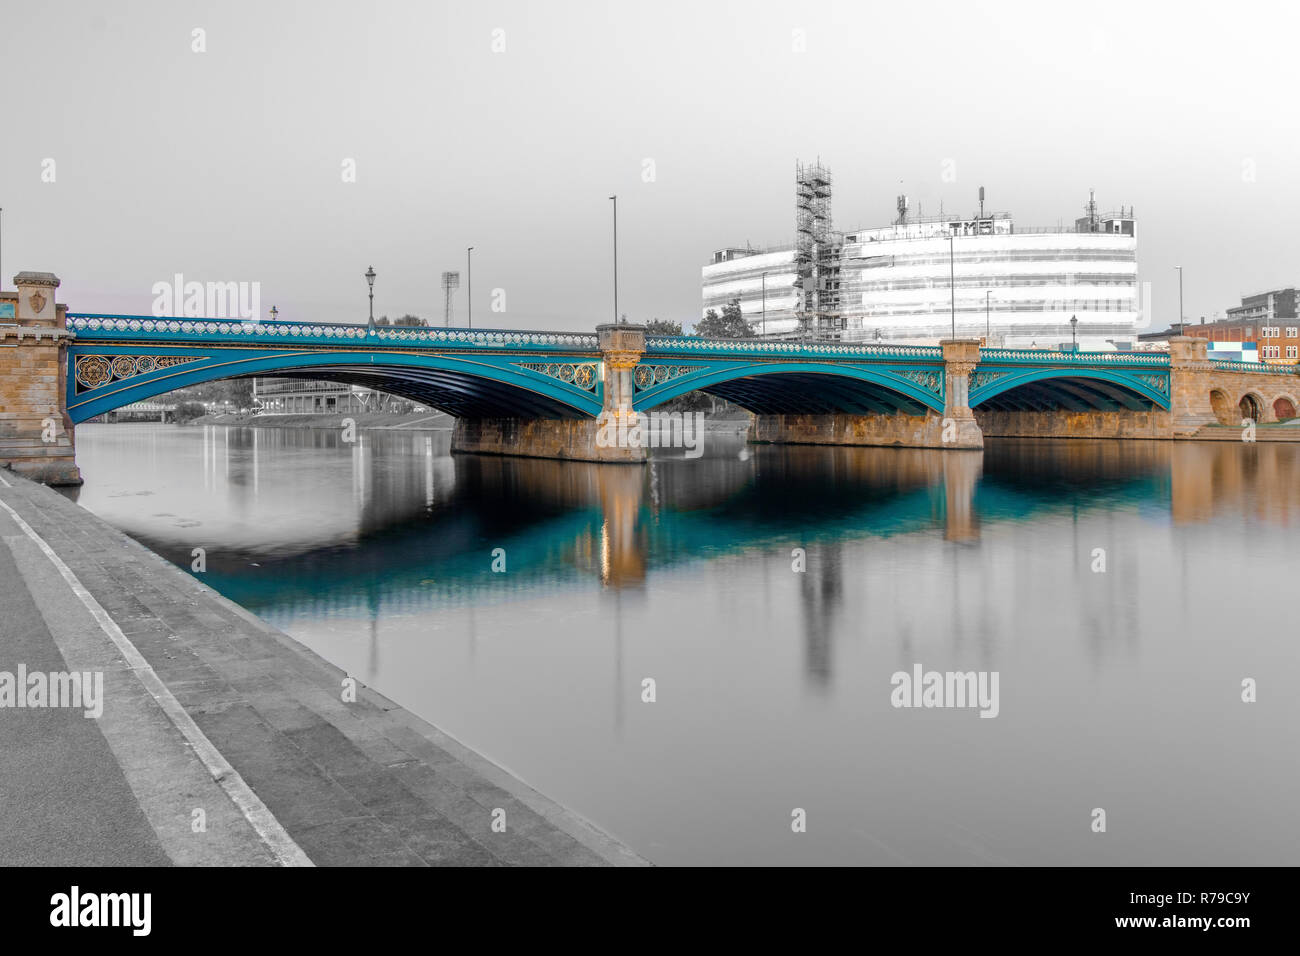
{"x": 582, "y": 396}
{"x": 117, "y": 360}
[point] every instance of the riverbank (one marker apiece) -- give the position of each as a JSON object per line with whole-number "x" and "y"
{"x": 729, "y": 420}
{"x": 222, "y": 741}
{"x": 1272, "y": 431}
{"x": 414, "y": 421}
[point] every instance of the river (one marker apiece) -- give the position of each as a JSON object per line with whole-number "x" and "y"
{"x": 1122, "y": 592}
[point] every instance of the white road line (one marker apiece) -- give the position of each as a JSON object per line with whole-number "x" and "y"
{"x": 276, "y": 838}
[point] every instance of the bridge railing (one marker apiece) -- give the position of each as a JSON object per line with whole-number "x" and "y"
{"x": 1264, "y": 367}
{"x": 166, "y": 328}
{"x": 90, "y": 325}
{"x": 689, "y": 344}
{"x": 1038, "y": 356}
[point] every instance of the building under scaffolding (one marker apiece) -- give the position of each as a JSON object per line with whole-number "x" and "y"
{"x": 816, "y": 251}
{"x": 913, "y": 280}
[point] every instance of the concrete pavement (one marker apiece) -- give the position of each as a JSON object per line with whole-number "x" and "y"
{"x": 59, "y": 780}
{"x": 192, "y": 684}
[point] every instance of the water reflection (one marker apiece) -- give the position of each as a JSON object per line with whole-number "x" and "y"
{"x": 379, "y": 555}
{"x": 412, "y": 527}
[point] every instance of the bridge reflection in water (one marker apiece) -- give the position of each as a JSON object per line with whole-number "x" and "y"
{"x": 414, "y": 528}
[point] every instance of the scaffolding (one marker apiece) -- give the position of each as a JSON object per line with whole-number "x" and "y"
{"x": 450, "y": 283}
{"x": 817, "y": 251}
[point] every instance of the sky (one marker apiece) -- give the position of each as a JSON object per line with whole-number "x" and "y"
{"x": 507, "y": 126}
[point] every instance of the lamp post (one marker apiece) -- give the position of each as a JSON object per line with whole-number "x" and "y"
{"x": 952, "y": 287}
{"x": 469, "y": 285}
{"x": 988, "y": 335}
{"x": 764, "y": 305}
{"x": 1074, "y": 337}
{"x": 370, "y": 280}
{"x": 274, "y": 312}
{"x": 1182, "y": 322}
{"x": 614, "y": 200}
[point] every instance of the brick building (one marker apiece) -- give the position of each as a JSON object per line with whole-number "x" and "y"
{"x": 1269, "y": 319}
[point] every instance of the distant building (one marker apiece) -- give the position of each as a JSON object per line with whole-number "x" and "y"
{"x": 896, "y": 283}
{"x": 1265, "y": 307}
{"x": 1267, "y": 320}
{"x": 286, "y": 396}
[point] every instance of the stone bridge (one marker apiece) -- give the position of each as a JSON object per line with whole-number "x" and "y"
{"x": 571, "y": 395}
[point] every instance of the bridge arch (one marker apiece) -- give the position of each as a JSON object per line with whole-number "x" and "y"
{"x": 775, "y": 388}
{"x": 1284, "y": 407}
{"x": 1251, "y": 405}
{"x": 476, "y": 386}
{"x": 1224, "y": 408}
{"x": 1069, "y": 387}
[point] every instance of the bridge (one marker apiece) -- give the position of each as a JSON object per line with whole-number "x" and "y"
{"x": 569, "y": 395}
{"x": 141, "y": 412}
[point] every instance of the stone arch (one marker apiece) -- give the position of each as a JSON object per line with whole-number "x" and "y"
{"x": 1284, "y": 407}
{"x": 1251, "y": 406}
{"x": 1223, "y": 408}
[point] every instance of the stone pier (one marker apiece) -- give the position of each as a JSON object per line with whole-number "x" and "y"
{"x": 571, "y": 439}
{"x": 956, "y": 428}
{"x": 36, "y": 437}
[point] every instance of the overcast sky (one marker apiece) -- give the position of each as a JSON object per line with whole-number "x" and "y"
{"x": 227, "y": 165}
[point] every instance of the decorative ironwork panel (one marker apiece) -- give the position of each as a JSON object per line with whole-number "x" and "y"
{"x": 1158, "y": 382}
{"x": 930, "y": 381}
{"x": 581, "y": 374}
{"x": 92, "y": 371}
{"x": 980, "y": 379}
{"x": 648, "y": 376}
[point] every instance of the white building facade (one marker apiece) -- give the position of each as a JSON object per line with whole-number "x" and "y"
{"x": 907, "y": 282}
{"x": 764, "y": 281}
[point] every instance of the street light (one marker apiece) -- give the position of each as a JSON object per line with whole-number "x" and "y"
{"x": 988, "y": 336}
{"x": 614, "y": 200}
{"x": 469, "y": 285}
{"x": 1074, "y": 337}
{"x": 952, "y": 287}
{"x": 764, "y": 305}
{"x": 1182, "y": 322}
{"x": 370, "y": 280}
{"x": 274, "y": 312}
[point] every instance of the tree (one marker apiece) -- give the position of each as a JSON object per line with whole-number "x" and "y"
{"x": 663, "y": 327}
{"x": 239, "y": 392}
{"x": 188, "y": 411}
{"x": 730, "y": 324}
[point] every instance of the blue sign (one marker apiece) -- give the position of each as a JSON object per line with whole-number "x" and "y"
{"x": 6, "y": 310}
{"x": 1233, "y": 351}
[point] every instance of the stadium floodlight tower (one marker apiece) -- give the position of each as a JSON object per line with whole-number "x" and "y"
{"x": 450, "y": 283}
